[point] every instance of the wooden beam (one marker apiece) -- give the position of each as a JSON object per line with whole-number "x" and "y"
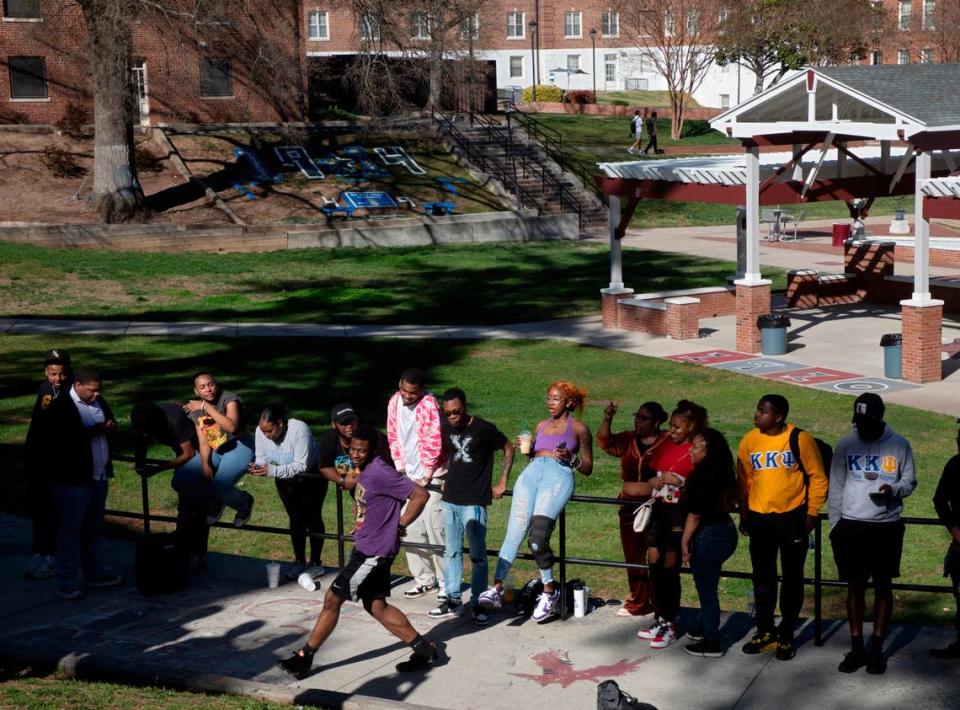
{"x": 901, "y": 168}
{"x": 816, "y": 168}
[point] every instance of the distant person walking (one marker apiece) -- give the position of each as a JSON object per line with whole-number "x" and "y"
{"x": 652, "y": 134}
{"x": 636, "y": 130}
{"x": 946, "y": 501}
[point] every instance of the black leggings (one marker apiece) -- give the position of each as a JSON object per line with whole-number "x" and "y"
{"x": 43, "y": 513}
{"x": 665, "y": 572}
{"x": 773, "y": 534}
{"x": 303, "y": 500}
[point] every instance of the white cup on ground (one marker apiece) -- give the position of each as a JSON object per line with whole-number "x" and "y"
{"x": 305, "y": 580}
{"x": 580, "y": 602}
{"x": 273, "y": 575}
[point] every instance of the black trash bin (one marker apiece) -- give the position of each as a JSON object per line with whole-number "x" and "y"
{"x": 773, "y": 333}
{"x": 892, "y": 344}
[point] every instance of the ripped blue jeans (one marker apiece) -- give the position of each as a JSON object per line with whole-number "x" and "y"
{"x": 543, "y": 488}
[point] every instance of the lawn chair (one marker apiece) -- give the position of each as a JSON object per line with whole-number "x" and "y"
{"x": 788, "y": 218}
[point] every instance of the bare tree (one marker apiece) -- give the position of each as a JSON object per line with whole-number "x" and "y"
{"x": 945, "y": 31}
{"x": 676, "y": 37}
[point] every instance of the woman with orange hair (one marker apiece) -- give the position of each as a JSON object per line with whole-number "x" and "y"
{"x": 560, "y": 446}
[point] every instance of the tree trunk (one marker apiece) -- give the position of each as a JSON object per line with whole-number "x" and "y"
{"x": 116, "y": 191}
{"x": 436, "y": 77}
{"x": 676, "y": 121}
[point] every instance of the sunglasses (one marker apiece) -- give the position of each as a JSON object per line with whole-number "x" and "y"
{"x": 452, "y": 413}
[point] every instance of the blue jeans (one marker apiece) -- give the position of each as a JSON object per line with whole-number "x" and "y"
{"x": 78, "y": 537}
{"x": 458, "y": 519}
{"x": 543, "y": 488}
{"x": 712, "y": 546}
{"x": 230, "y": 462}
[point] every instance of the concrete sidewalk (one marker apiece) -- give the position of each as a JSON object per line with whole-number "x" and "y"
{"x": 227, "y": 631}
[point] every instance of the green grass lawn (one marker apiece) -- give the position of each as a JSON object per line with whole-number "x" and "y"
{"x": 651, "y": 99}
{"x": 444, "y": 284}
{"x": 505, "y": 381}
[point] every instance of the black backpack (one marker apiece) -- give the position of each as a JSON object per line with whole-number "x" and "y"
{"x": 610, "y": 697}
{"x": 826, "y": 453}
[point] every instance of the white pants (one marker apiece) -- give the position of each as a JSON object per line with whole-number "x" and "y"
{"x": 426, "y": 566}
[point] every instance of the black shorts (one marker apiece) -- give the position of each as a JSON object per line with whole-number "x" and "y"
{"x": 666, "y": 530}
{"x": 863, "y": 550}
{"x": 365, "y": 577}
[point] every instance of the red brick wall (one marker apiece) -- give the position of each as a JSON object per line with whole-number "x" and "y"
{"x": 693, "y": 114}
{"x": 609, "y": 309}
{"x": 682, "y": 322}
{"x": 921, "y": 343}
{"x": 643, "y": 320}
{"x": 752, "y": 302}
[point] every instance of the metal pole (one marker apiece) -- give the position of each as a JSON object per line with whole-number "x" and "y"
{"x": 146, "y": 503}
{"x": 533, "y": 61}
{"x": 563, "y": 565}
{"x": 340, "y": 543}
{"x": 817, "y": 585}
{"x": 593, "y": 43}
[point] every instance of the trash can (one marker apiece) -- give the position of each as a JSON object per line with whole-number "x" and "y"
{"x": 892, "y": 344}
{"x": 841, "y": 232}
{"x": 773, "y": 333}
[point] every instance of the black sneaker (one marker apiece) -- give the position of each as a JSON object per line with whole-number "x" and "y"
{"x": 451, "y": 607}
{"x": 761, "y": 641}
{"x": 215, "y": 512}
{"x": 102, "y": 581}
{"x": 416, "y": 662}
{"x": 950, "y": 652}
{"x": 481, "y": 617}
{"x": 785, "y": 650}
{"x": 299, "y": 664}
{"x": 243, "y": 516}
{"x": 705, "y": 649}
{"x": 876, "y": 661}
{"x": 696, "y": 634}
{"x": 853, "y": 661}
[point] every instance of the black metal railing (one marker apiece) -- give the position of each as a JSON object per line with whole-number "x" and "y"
{"x": 342, "y": 538}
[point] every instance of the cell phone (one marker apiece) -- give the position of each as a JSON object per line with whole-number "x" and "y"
{"x": 562, "y": 446}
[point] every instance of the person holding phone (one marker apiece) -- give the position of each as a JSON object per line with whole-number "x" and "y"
{"x": 561, "y": 445}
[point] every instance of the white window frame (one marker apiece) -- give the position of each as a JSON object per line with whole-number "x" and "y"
{"x": 693, "y": 23}
{"x": 610, "y": 23}
{"x": 419, "y": 25}
{"x": 876, "y": 57}
{"x": 610, "y": 61}
{"x": 903, "y": 56}
{"x": 904, "y": 11}
{"x": 570, "y": 18}
{"x": 578, "y": 64}
{"x": 926, "y": 56}
{"x": 724, "y": 101}
{"x": 512, "y": 25}
{"x": 670, "y": 23}
{"x": 470, "y": 28}
{"x": 510, "y": 66}
{"x": 323, "y": 28}
{"x": 369, "y": 28}
{"x": 928, "y": 15}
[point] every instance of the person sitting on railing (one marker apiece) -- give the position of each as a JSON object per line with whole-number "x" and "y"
{"x": 871, "y": 473}
{"x": 672, "y": 466}
{"x": 560, "y": 446}
{"x": 630, "y": 447}
{"x": 946, "y": 501}
{"x": 709, "y": 535}
{"x": 168, "y": 424}
{"x": 285, "y": 449}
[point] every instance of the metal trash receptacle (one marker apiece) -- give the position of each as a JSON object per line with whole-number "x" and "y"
{"x": 841, "y": 232}
{"x": 773, "y": 333}
{"x": 892, "y": 344}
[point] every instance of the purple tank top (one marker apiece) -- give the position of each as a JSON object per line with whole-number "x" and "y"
{"x": 548, "y": 442}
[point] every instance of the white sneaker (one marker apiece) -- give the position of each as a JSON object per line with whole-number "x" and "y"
{"x": 631, "y": 151}
{"x": 47, "y": 568}
{"x": 491, "y": 599}
{"x": 545, "y": 604}
{"x": 31, "y": 569}
{"x": 442, "y": 594}
{"x": 653, "y": 631}
{"x": 667, "y": 635}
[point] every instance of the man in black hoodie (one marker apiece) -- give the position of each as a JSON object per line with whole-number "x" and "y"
{"x": 947, "y": 503}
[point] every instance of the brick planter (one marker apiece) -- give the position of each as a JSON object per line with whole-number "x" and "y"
{"x": 610, "y": 297}
{"x": 802, "y": 288}
{"x": 922, "y": 333}
{"x": 753, "y": 300}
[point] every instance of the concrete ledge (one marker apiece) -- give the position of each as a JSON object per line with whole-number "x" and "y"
{"x": 681, "y": 301}
{"x": 113, "y": 669}
{"x": 686, "y": 292}
{"x": 836, "y": 277}
{"x": 643, "y": 303}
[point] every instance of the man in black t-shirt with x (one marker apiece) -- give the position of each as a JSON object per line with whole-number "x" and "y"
{"x": 469, "y": 446}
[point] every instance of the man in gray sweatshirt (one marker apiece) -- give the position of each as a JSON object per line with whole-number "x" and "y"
{"x": 872, "y": 472}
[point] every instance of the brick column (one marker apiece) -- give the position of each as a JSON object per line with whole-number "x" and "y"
{"x": 610, "y": 297}
{"x": 922, "y": 346}
{"x": 871, "y": 263}
{"x": 683, "y": 318}
{"x": 802, "y": 286}
{"x": 753, "y": 300}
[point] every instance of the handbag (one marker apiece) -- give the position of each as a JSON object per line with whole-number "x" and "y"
{"x": 642, "y": 516}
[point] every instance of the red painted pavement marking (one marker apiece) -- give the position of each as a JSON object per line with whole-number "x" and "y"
{"x": 810, "y": 376}
{"x": 559, "y": 671}
{"x": 711, "y": 357}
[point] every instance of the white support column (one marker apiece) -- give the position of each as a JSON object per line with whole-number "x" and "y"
{"x": 616, "y": 251}
{"x": 921, "y": 234}
{"x": 752, "y": 202}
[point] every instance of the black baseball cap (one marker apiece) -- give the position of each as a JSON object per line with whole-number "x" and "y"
{"x": 868, "y": 405}
{"x": 343, "y": 413}
{"x": 57, "y": 357}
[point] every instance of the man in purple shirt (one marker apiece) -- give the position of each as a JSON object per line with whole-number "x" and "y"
{"x": 380, "y": 494}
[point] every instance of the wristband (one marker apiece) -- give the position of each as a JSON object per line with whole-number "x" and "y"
{"x": 401, "y": 530}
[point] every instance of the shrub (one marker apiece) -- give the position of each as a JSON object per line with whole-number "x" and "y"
{"x": 61, "y": 163}
{"x": 619, "y": 102}
{"x": 545, "y": 92}
{"x": 580, "y": 96}
{"x": 72, "y": 121}
{"x": 145, "y": 161}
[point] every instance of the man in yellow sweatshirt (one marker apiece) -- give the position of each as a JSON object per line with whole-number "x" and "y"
{"x": 780, "y": 500}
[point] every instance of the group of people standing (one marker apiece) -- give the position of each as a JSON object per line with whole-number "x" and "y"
{"x": 429, "y": 479}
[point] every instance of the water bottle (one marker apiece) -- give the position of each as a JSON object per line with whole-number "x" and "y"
{"x": 579, "y": 601}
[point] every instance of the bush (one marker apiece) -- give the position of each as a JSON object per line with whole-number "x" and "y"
{"x": 619, "y": 102}
{"x": 580, "y": 96}
{"x": 145, "y": 161}
{"x": 72, "y": 121}
{"x": 545, "y": 92}
{"x": 61, "y": 163}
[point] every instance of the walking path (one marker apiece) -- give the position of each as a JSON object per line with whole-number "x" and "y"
{"x": 226, "y": 631}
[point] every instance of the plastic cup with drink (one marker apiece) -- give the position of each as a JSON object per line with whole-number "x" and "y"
{"x": 273, "y": 575}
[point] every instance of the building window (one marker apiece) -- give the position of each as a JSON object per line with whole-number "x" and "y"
{"x": 514, "y": 25}
{"x": 369, "y": 28}
{"x": 609, "y": 68}
{"x": 420, "y": 25}
{"x": 903, "y": 56}
{"x": 926, "y": 56}
{"x": 571, "y": 25}
{"x": 693, "y": 23}
{"x": 470, "y": 28}
{"x": 929, "y": 13}
{"x": 644, "y": 67}
{"x": 516, "y": 67}
{"x": 903, "y": 17}
{"x": 636, "y": 84}
{"x": 317, "y": 27}
{"x": 21, "y": 9}
{"x": 670, "y": 23}
{"x": 724, "y": 100}
{"x": 28, "y": 77}
{"x": 723, "y": 15}
{"x": 215, "y": 77}
{"x": 611, "y": 24}
{"x": 876, "y": 57}
{"x": 573, "y": 62}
